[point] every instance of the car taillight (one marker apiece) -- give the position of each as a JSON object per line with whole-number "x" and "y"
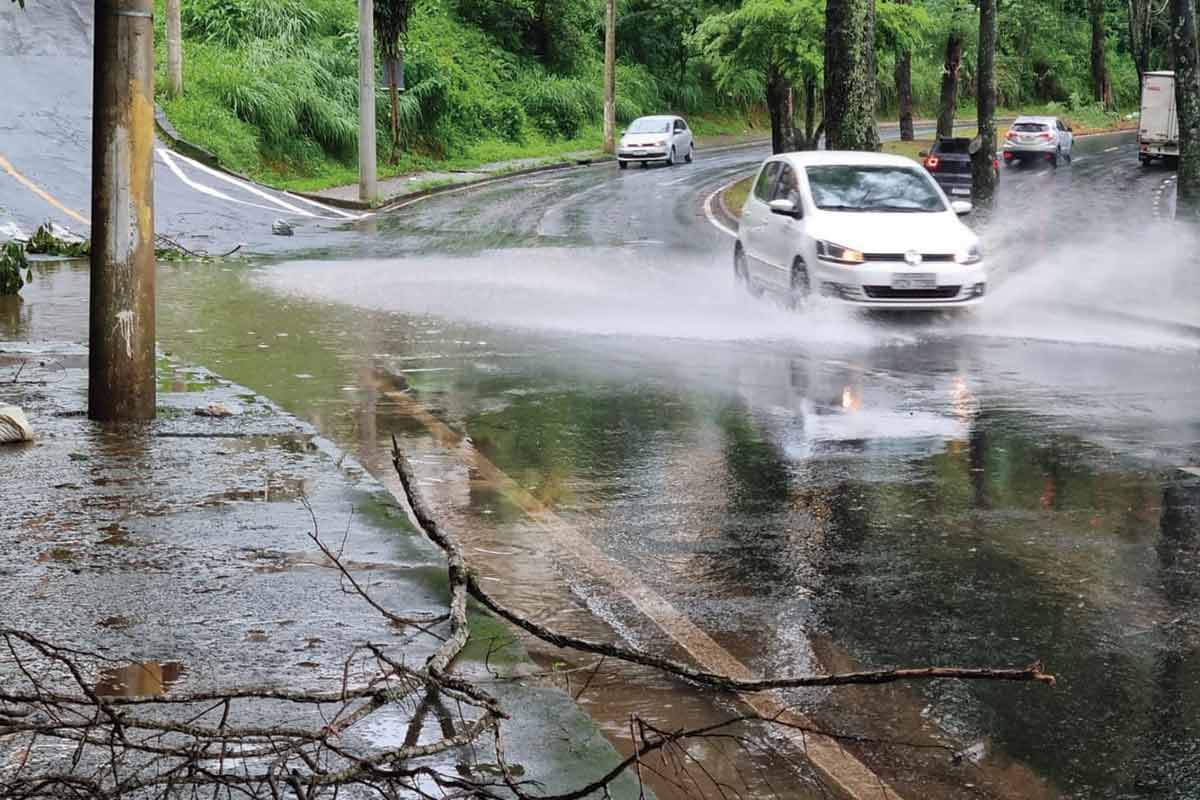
{"x": 996, "y": 163}
{"x": 1010, "y": 135}
{"x": 932, "y": 163}
{"x": 1047, "y": 135}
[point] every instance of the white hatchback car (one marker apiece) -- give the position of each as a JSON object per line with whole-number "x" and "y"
{"x": 868, "y": 229}
{"x": 666, "y": 138}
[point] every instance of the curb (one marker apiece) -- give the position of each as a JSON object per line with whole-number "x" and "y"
{"x": 176, "y": 142}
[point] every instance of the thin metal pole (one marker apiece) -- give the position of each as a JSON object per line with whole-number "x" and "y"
{"x": 121, "y": 330}
{"x": 174, "y": 49}
{"x": 367, "y": 185}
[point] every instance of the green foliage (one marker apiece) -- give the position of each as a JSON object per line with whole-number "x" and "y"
{"x": 45, "y": 242}
{"x": 14, "y": 269}
{"x": 553, "y": 31}
{"x": 236, "y": 22}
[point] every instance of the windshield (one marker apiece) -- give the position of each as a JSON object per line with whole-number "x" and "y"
{"x": 845, "y": 187}
{"x": 650, "y": 126}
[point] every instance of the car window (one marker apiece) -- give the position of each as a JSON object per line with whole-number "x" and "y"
{"x": 788, "y": 186}
{"x": 678, "y": 125}
{"x": 848, "y": 187}
{"x": 946, "y": 146}
{"x": 682, "y": 125}
{"x": 1030, "y": 127}
{"x": 766, "y": 181}
{"x": 645, "y": 125}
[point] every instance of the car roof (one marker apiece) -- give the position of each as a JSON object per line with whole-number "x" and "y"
{"x": 658, "y": 117}
{"x": 1043, "y": 120}
{"x": 812, "y": 158}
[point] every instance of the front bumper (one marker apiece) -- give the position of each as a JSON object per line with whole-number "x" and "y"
{"x": 876, "y": 286}
{"x": 642, "y": 154}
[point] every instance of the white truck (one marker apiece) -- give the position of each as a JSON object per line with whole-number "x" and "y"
{"x": 1158, "y": 130}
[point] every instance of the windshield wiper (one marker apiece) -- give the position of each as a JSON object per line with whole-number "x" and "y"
{"x": 842, "y": 208}
{"x": 902, "y": 209}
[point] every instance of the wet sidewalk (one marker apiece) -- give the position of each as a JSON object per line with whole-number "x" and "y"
{"x": 181, "y": 550}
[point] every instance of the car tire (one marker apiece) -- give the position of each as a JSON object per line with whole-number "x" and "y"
{"x": 690, "y": 154}
{"x": 623, "y": 164}
{"x": 741, "y": 271}
{"x": 801, "y": 285}
{"x": 671, "y": 157}
{"x": 1056, "y": 158}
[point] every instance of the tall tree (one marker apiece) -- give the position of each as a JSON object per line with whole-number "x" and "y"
{"x": 391, "y": 29}
{"x": 949, "y": 97}
{"x": 904, "y": 94}
{"x": 983, "y": 159}
{"x": 777, "y": 42}
{"x": 1101, "y": 87}
{"x": 1141, "y": 24}
{"x": 1187, "y": 107}
{"x": 850, "y": 75}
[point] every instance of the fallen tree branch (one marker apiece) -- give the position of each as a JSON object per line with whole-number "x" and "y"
{"x": 1032, "y": 673}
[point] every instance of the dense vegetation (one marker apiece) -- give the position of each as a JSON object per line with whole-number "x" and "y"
{"x": 270, "y": 85}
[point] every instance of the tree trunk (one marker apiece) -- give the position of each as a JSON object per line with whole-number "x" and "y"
{"x": 945, "y": 126}
{"x": 1139, "y": 35}
{"x": 610, "y": 77}
{"x": 781, "y": 104}
{"x": 983, "y": 160}
{"x": 904, "y": 88}
{"x": 810, "y": 110}
{"x": 1187, "y": 106}
{"x": 174, "y": 50}
{"x": 850, "y": 75}
{"x": 904, "y": 94}
{"x": 1101, "y": 88}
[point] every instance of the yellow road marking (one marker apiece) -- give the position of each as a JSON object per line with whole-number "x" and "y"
{"x": 42, "y": 193}
{"x": 841, "y": 768}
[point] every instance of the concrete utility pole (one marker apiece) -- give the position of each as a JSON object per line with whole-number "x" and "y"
{"x": 174, "y": 49}
{"x": 367, "y": 186}
{"x": 121, "y": 332}
{"x": 610, "y": 77}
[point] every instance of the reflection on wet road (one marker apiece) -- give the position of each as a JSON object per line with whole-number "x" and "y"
{"x": 815, "y": 492}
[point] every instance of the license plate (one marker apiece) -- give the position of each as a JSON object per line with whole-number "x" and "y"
{"x": 960, "y": 190}
{"x": 638, "y": 152}
{"x": 914, "y": 280}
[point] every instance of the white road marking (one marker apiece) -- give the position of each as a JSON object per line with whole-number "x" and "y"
{"x": 676, "y": 181}
{"x": 168, "y": 158}
{"x": 1112, "y": 149}
{"x": 712, "y": 216}
{"x": 331, "y": 209}
{"x": 252, "y": 189}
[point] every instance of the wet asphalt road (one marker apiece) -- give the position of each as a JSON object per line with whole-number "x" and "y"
{"x": 814, "y": 491}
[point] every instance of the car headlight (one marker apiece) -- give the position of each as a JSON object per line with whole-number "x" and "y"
{"x": 972, "y": 254}
{"x": 842, "y": 255}
{"x": 660, "y": 142}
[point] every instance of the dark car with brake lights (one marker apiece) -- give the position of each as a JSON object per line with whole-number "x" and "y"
{"x": 949, "y": 162}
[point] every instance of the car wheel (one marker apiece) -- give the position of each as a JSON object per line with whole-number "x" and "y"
{"x": 1056, "y": 158}
{"x": 801, "y": 285}
{"x": 690, "y": 154}
{"x": 671, "y": 157}
{"x": 623, "y": 164}
{"x": 741, "y": 271}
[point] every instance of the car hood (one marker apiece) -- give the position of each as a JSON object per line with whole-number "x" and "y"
{"x": 873, "y": 232}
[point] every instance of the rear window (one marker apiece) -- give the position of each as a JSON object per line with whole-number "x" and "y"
{"x": 1030, "y": 127}
{"x": 952, "y": 146}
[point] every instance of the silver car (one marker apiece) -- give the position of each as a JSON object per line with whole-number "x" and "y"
{"x": 1040, "y": 138}
{"x": 663, "y": 138}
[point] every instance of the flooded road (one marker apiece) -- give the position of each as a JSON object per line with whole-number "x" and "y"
{"x": 604, "y": 419}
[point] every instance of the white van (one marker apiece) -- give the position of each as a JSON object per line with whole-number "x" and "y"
{"x": 1158, "y": 131}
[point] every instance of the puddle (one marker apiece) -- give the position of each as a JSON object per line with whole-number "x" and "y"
{"x": 145, "y": 679}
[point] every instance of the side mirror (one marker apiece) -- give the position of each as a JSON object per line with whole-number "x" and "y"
{"x": 961, "y": 207}
{"x": 923, "y": 154}
{"x": 785, "y": 208}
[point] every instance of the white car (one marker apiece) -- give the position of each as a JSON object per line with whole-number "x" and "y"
{"x": 1041, "y": 138}
{"x": 666, "y": 138}
{"x": 868, "y": 229}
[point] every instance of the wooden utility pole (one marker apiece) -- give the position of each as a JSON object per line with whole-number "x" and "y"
{"x": 174, "y": 49}
{"x": 367, "y": 185}
{"x": 121, "y": 341}
{"x": 610, "y": 77}
{"x": 1187, "y": 107}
